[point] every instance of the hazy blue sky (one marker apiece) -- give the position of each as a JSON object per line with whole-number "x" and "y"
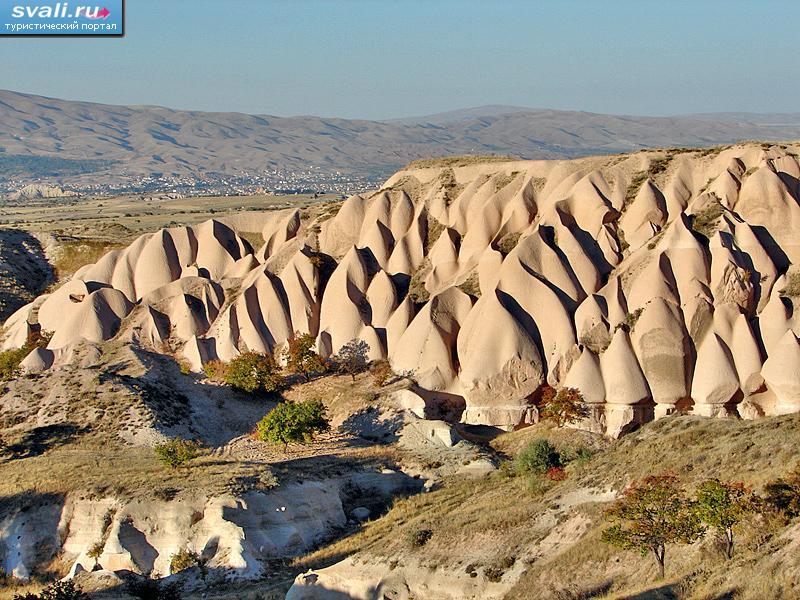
{"x": 392, "y": 58}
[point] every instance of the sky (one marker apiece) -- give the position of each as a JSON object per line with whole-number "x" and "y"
{"x": 377, "y": 59}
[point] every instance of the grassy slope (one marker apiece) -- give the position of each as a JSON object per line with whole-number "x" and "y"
{"x": 500, "y": 520}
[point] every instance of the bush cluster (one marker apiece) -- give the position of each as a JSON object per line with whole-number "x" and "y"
{"x": 59, "y": 590}
{"x": 540, "y": 462}
{"x": 417, "y": 538}
{"x": 254, "y": 372}
{"x": 216, "y": 370}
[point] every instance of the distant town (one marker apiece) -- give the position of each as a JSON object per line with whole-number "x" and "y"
{"x": 313, "y": 180}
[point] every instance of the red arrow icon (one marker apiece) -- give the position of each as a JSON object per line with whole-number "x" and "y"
{"x": 103, "y": 14}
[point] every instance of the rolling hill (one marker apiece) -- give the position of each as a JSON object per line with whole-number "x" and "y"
{"x": 83, "y": 144}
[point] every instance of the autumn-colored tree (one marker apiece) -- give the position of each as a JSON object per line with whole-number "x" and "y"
{"x": 723, "y": 506}
{"x": 300, "y": 356}
{"x": 651, "y": 514}
{"x": 352, "y": 357}
{"x": 562, "y": 407}
{"x": 381, "y": 372}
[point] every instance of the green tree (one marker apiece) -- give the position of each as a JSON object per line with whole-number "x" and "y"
{"x": 96, "y": 551}
{"x": 352, "y": 357}
{"x": 651, "y": 514}
{"x": 300, "y": 356}
{"x": 723, "y": 506}
{"x": 293, "y": 422}
{"x": 177, "y": 452}
{"x": 254, "y": 372}
{"x": 562, "y": 407}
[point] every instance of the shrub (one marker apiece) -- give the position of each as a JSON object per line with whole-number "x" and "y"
{"x": 293, "y": 422}
{"x": 177, "y": 452}
{"x": 564, "y": 407}
{"x": 629, "y": 322}
{"x": 352, "y": 357}
{"x": 494, "y": 572}
{"x": 653, "y": 513}
{"x": 253, "y": 372}
{"x": 151, "y": 589}
{"x": 300, "y": 356}
{"x": 381, "y": 372}
{"x": 216, "y": 370}
{"x": 556, "y": 474}
{"x": 10, "y": 360}
{"x": 184, "y": 366}
{"x": 536, "y": 458}
{"x": 582, "y": 456}
{"x": 186, "y": 559}
{"x": 417, "y": 538}
{"x": 705, "y": 221}
{"x": 59, "y": 590}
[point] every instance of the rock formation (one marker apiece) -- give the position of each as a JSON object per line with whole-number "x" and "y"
{"x": 651, "y": 282}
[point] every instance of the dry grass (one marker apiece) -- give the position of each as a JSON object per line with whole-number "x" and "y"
{"x": 502, "y": 180}
{"x": 74, "y": 254}
{"x": 99, "y": 470}
{"x": 500, "y": 519}
{"x": 255, "y": 239}
{"x": 696, "y": 449}
{"x": 471, "y": 285}
{"x": 508, "y": 242}
{"x": 658, "y": 164}
{"x": 706, "y": 221}
{"x": 792, "y": 289}
{"x": 457, "y": 161}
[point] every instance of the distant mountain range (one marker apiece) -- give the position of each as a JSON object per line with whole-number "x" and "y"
{"x": 83, "y": 144}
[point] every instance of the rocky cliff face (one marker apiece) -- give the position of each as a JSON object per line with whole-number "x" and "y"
{"x": 650, "y": 282}
{"x": 233, "y": 533}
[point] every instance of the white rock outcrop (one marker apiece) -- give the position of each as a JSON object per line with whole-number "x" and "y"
{"x": 487, "y": 281}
